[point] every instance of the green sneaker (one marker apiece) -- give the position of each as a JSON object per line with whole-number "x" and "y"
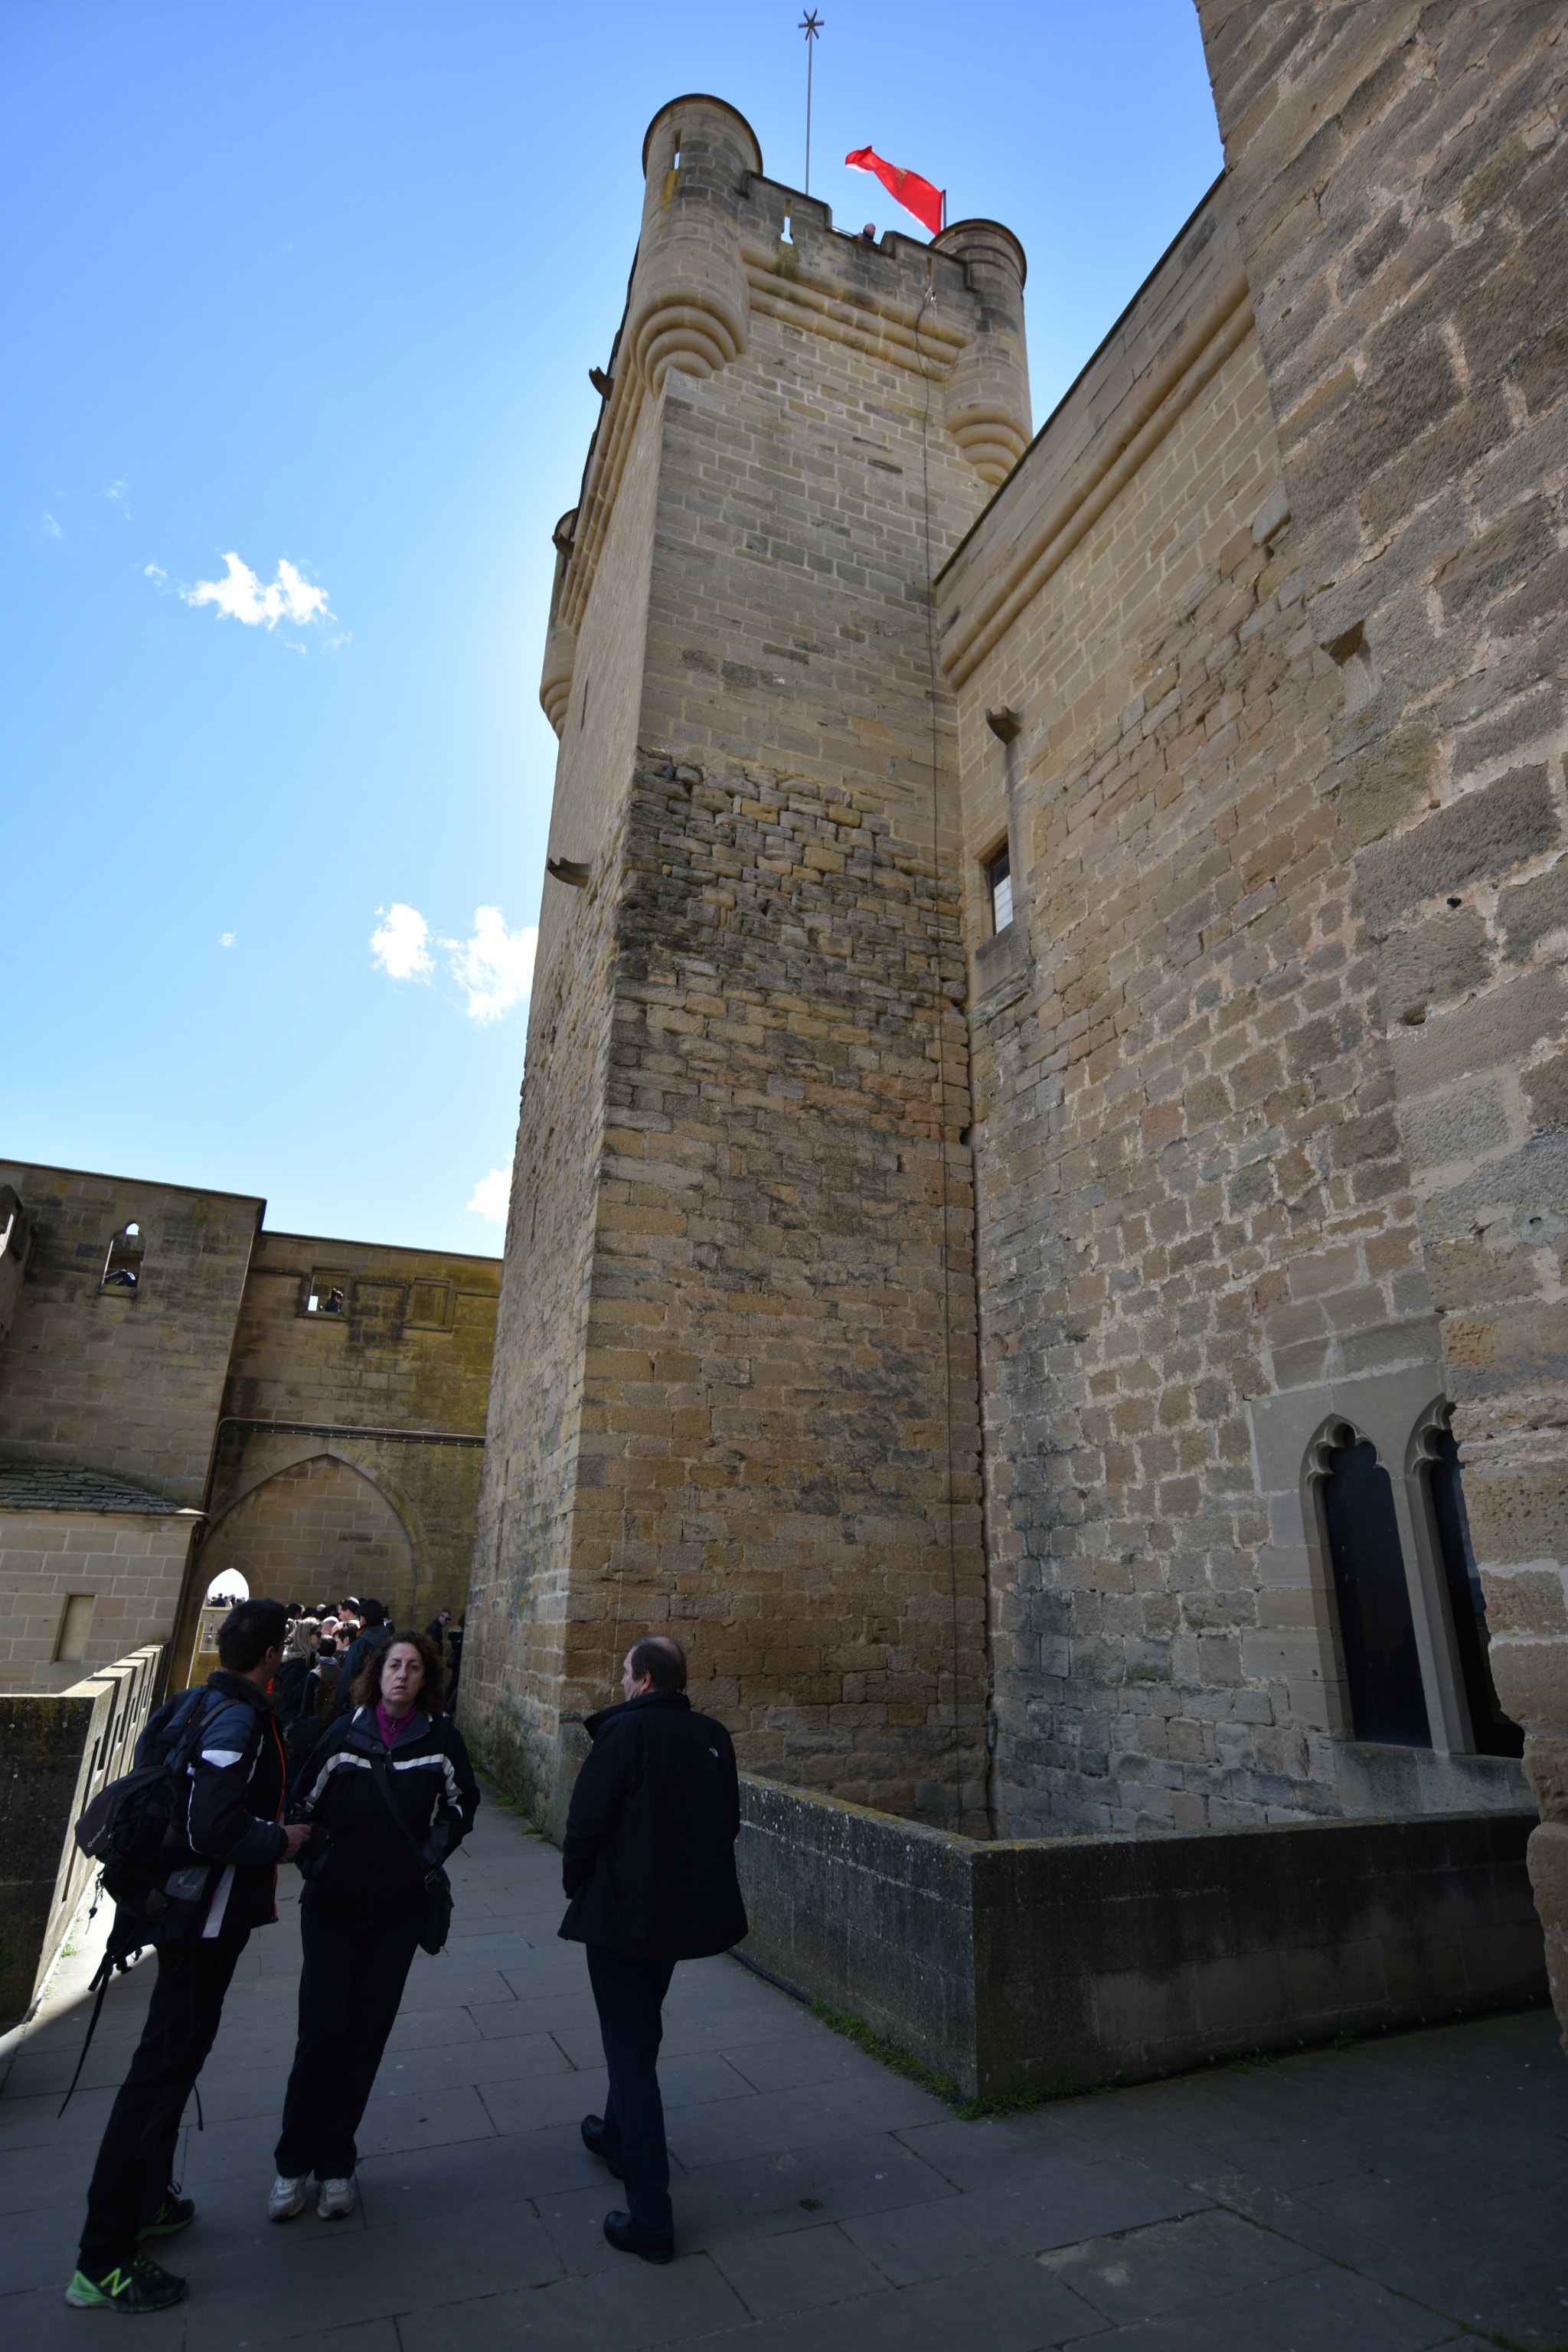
{"x": 175, "y": 2212}
{"x": 136, "y": 2285}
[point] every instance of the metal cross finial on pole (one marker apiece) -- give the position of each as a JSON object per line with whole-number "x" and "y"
{"x": 811, "y": 25}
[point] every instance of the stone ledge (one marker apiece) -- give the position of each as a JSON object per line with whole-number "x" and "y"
{"x": 1066, "y": 1962}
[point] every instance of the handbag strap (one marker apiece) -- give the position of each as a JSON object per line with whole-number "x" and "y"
{"x": 378, "y": 1773}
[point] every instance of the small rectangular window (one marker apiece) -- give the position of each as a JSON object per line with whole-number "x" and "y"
{"x": 999, "y": 886}
{"x": 75, "y": 1626}
{"x": 328, "y": 1293}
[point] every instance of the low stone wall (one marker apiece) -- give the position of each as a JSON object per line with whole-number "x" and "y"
{"x": 57, "y": 1750}
{"x": 1061, "y": 1963}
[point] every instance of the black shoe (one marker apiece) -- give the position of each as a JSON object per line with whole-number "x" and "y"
{"x": 592, "y": 2130}
{"x": 137, "y": 2285}
{"x": 627, "y": 2239}
{"x": 175, "y": 2212}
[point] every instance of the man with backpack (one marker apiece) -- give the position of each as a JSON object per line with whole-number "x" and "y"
{"x": 215, "y": 1878}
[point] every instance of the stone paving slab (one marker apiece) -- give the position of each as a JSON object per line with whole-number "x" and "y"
{"x": 1398, "y": 2195}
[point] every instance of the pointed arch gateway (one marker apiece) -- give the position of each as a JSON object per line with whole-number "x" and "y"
{"x": 315, "y": 1529}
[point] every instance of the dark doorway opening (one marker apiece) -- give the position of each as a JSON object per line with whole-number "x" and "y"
{"x": 1387, "y": 1702}
{"x": 1493, "y": 1733}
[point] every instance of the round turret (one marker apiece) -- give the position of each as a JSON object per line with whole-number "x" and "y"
{"x": 690, "y": 308}
{"x": 561, "y": 642}
{"x": 988, "y": 391}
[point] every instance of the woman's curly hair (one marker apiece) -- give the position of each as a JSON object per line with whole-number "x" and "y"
{"x": 367, "y": 1682}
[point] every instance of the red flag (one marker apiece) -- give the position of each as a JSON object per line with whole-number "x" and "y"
{"x": 915, "y": 194}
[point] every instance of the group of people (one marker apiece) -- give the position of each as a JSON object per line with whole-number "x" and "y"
{"x": 369, "y": 1810}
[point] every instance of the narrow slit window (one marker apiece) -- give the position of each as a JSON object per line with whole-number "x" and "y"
{"x": 583, "y": 713}
{"x": 999, "y": 889}
{"x": 1388, "y": 1703}
{"x": 122, "y": 1267}
{"x": 788, "y": 239}
{"x": 1493, "y": 1733}
{"x": 75, "y": 1627}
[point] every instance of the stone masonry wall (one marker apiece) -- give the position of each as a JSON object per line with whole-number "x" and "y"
{"x": 132, "y": 1563}
{"x": 1402, "y": 177}
{"x": 768, "y": 1369}
{"x": 120, "y": 1381}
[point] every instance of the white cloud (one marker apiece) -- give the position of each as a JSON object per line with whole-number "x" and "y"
{"x": 156, "y": 574}
{"x": 118, "y": 495}
{"x": 48, "y": 528}
{"x": 227, "y": 939}
{"x": 496, "y": 966}
{"x": 398, "y": 942}
{"x": 242, "y": 598}
{"x": 491, "y": 1195}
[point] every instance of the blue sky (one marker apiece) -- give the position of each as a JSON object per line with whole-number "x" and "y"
{"x": 317, "y": 287}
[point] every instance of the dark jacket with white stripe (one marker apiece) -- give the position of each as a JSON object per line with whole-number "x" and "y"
{"x": 233, "y": 1797}
{"x": 358, "y": 1868}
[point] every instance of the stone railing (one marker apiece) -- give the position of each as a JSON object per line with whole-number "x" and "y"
{"x": 58, "y": 1748}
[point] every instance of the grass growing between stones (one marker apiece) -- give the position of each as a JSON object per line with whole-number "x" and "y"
{"x": 1014, "y": 2101}
{"x": 504, "y": 1797}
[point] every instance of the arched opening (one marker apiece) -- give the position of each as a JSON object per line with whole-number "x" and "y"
{"x": 1383, "y": 1667}
{"x": 314, "y": 1532}
{"x": 1492, "y": 1732}
{"x": 227, "y": 1585}
{"x": 122, "y": 1267}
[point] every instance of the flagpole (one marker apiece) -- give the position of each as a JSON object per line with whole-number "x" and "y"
{"x": 811, "y": 25}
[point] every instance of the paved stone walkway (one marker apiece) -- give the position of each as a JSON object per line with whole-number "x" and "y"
{"x": 1395, "y": 2196}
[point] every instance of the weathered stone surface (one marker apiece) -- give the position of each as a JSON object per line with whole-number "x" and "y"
{"x": 1389, "y": 782}
{"x": 60, "y": 1748}
{"x": 1079, "y": 1960}
{"x": 1444, "y": 957}
{"x": 1480, "y": 835}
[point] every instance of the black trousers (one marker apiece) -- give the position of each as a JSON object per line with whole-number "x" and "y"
{"x": 350, "y": 1988}
{"x": 629, "y": 1996}
{"x": 136, "y": 2156}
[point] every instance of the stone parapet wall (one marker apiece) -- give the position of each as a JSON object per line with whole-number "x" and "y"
{"x": 60, "y": 1749}
{"x": 1070, "y": 1962}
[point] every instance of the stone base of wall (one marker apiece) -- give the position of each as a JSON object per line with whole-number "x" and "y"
{"x": 60, "y": 1749}
{"x": 1063, "y": 1963}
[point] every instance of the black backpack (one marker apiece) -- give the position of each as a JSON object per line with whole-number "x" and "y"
{"x": 133, "y": 1830}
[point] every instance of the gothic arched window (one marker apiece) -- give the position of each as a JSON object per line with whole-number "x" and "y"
{"x": 1382, "y": 1666}
{"x": 1492, "y": 1733}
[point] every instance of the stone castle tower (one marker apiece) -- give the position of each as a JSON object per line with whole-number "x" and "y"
{"x": 1039, "y": 1232}
{"x": 736, "y": 1384}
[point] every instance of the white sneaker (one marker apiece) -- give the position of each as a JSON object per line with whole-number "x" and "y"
{"x": 287, "y": 2198}
{"x": 337, "y": 2197}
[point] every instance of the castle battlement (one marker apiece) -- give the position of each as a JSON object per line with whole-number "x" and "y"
{"x": 731, "y": 264}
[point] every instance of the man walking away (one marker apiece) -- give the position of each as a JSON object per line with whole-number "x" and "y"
{"x": 649, "y": 1864}
{"x": 233, "y": 1797}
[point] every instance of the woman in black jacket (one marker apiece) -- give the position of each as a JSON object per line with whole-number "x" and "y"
{"x": 362, "y": 1904}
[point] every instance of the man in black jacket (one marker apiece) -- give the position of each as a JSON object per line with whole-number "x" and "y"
{"x": 234, "y": 1785}
{"x": 649, "y": 1864}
